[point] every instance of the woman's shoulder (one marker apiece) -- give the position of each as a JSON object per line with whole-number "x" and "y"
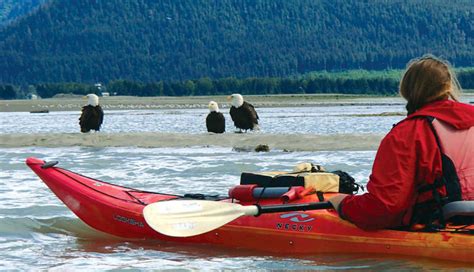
{"x": 408, "y": 129}
{"x": 411, "y": 122}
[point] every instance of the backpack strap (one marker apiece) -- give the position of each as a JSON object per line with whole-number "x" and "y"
{"x": 432, "y": 210}
{"x": 450, "y": 177}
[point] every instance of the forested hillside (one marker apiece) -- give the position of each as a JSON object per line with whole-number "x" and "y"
{"x": 12, "y": 9}
{"x": 90, "y": 41}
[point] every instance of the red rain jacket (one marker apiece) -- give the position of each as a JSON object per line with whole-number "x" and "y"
{"x": 407, "y": 157}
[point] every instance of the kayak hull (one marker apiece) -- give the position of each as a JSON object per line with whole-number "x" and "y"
{"x": 118, "y": 211}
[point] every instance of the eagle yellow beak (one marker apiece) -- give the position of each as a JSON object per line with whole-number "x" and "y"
{"x": 229, "y": 98}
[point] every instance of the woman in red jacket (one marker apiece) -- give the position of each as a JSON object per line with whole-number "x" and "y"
{"x": 411, "y": 154}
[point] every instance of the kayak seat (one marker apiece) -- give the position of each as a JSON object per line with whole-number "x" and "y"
{"x": 459, "y": 209}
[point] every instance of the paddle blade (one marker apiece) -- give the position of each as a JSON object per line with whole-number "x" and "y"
{"x": 183, "y": 218}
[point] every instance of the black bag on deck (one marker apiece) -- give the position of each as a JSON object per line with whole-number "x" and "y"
{"x": 347, "y": 184}
{"x": 271, "y": 179}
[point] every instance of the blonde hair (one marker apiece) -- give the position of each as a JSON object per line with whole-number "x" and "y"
{"x": 428, "y": 79}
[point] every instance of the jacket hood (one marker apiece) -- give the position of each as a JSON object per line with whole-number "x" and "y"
{"x": 457, "y": 114}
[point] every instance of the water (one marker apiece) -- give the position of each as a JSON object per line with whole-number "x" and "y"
{"x": 37, "y": 232}
{"x": 315, "y": 120}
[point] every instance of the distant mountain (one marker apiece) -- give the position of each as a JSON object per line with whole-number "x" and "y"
{"x": 151, "y": 40}
{"x": 12, "y": 9}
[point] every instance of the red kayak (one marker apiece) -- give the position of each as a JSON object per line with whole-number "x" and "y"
{"x": 118, "y": 211}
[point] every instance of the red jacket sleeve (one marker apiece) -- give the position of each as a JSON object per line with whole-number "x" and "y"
{"x": 407, "y": 156}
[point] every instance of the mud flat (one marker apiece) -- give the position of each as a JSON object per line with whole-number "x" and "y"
{"x": 238, "y": 142}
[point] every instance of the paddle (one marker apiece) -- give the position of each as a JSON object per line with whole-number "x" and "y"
{"x": 183, "y": 218}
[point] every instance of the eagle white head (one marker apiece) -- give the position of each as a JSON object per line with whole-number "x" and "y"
{"x": 236, "y": 100}
{"x": 213, "y": 106}
{"x": 92, "y": 100}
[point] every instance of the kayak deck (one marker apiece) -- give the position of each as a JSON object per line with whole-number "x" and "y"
{"x": 118, "y": 211}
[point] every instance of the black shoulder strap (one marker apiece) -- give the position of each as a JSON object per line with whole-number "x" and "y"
{"x": 450, "y": 177}
{"x": 430, "y": 211}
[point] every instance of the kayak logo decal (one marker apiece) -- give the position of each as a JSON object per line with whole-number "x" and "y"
{"x": 127, "y": 220}
{"x": 296, "y": 219}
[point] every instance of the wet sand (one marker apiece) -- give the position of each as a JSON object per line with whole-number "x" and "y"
{"x": 239, "y": 142}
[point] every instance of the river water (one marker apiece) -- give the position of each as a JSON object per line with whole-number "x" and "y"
{"x": 318, "y": 120}
{"x": 37, "y": 232}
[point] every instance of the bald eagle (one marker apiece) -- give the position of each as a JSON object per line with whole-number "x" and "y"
{"x": 243, "y": 114}
{"x": 92, "y": 114}
{"x": 215, "y": 121}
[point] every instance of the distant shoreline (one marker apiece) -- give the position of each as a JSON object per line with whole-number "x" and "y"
{"x": 75, "y": 103}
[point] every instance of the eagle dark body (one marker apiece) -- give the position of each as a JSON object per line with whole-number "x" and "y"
{"x": 215, "y": 122}
{"x": 245, "y": 117}
{"x": 91, "y": 118}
